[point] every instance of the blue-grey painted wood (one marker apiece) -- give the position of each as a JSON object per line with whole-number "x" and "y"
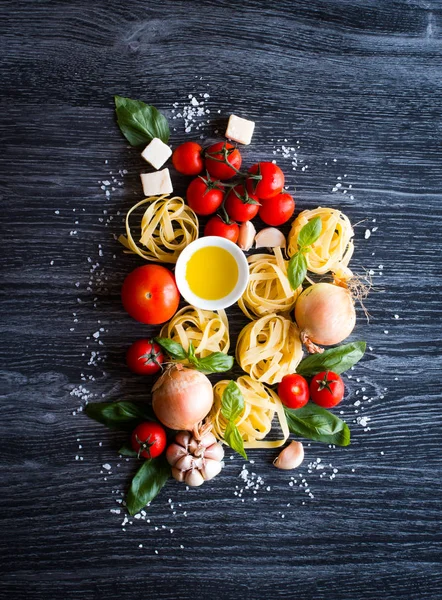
{"x": 358, "y": 85}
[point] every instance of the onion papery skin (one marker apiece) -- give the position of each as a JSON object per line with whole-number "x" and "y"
{"x": 182, "y": 397}
{"x": 325, "y": 313}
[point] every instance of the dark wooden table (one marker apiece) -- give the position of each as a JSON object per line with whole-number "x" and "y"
{"x": 353, "y": 89}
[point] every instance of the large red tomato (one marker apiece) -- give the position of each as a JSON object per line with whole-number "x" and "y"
{"x": 265, "y": 180}
{"x": 150, "y": 294}
{"x": 219, "y": 156}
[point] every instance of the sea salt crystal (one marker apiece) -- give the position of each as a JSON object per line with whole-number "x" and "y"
{"x": 107, "y": 466}
{"x": 367, "y": 234}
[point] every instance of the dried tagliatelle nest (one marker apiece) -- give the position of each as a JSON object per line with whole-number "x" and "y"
{"x": 167, "y": 227}
{"x": 208, "y": 330}
{"x": 333, "y": 249}
{"x": 269, "y": 348}
{"x": 268, "y": 289}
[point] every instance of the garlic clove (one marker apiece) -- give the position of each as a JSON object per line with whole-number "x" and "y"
{"x": 193, "y": 445}
{"x": 194, "y": 478}
{"x": 270, "y": 237}
{"x": 214, "y": 452}
{"x": 246, "y": 235}
{"x": 183, "y": 438}
{"x": 177, "y": 474}
{"x": 185, "y": 463}
{"x": 174, "y": 452}
{"x": 207, "y": 440}
{"x": 210, "y": 469}
{"x": 291, "y": 457}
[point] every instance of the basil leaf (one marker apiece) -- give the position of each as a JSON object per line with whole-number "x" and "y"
{"x": 233, "y": 438}
{"x": 172, "y": 348}
{"x": 309, "y": 233}
{"x": 232, "y": 402}
{"x": 147, "y": 482}
{"x": 140, "y": 122}
{"x": 216, "y": 362}
{"x": 119, "y": 415}
{"x": 316, "y": 423}
{"x": 127, "y": 451}
{"x": 338, "y": 359}
{"x": 297, "y": 270}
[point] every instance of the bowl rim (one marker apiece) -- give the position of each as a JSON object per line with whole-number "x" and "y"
{"x": 220, "y": 303}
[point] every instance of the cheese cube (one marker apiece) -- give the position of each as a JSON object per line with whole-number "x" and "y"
{"x": 156, "y": 183}
{"x": 240, "y": 130}
{"x": 156, "y": 153}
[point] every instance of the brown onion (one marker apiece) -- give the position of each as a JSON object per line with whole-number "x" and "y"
{"x": 181, "y": 397}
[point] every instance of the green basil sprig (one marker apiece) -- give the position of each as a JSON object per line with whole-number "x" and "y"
{"x": 140, "y": 122}
{"x": 316, "y": 423}
{"x": 216, "y": 362}
{"x": 119, "y": 415}
{"x": 338, "y": 359}
{"x": 297, "y": 267}
{"x": 232, "y": 406}
{"x": 147, "y": 482}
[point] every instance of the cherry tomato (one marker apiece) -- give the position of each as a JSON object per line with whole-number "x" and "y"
{"x": 216, "y": 226}
{"x": 144, "y": 357}
{"x": 205, "y": 195}
{"x": 150, "y": 295}
{"x": 219, "y": 156}
{"x": 240, "y": 205}
{"x": 277, "y": 210}
{"x": 149, "y": 439}
{"x": 327, "y": 389}
{"x": 188, "y": 159}
{"x": 268, "y": 180}
{"x": 293, "y": 391}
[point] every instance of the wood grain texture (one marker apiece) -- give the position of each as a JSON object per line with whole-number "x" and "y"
{"x": 355, "y": 87}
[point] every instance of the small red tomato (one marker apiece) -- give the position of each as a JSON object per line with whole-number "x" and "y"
{"x": 150, "y": 295}
{"x": 149, "y": 439}
{"x": 205, "y": 195}
{"x": 188, "y": 159}
{"x": 293, "y": 391}
{"x": 267, "y": 180}
{"x": 144, "y": 357}
{"x": 216, "y": 226}
{"x": 327, "y": 389}
{"x": 219, "y": 156}
{"x": 240, "y": 205}
{"x": 277, "y": 210}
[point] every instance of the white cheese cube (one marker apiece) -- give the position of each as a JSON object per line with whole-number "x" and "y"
{"x": 156, "y": 183}
{"x": 240, "y": 130}
{"x": 156, "y": 153}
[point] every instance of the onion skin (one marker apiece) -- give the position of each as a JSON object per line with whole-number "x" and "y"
{"x": 325, "y": 313}
{"x": 181, "y": 397}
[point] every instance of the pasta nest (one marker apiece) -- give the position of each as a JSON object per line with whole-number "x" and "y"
{"x": 167, "y": 227}
{"x": 269, "y": 348}
{"x": 260, "y": 405}
{"x": 333, "y": 249}
{"x": 206, "y": 329}
{"x": 268, "y": 289}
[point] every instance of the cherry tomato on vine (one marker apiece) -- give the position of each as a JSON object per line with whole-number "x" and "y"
{"x": 240, "y": 205}
{"x": 216, "y": 226}
{"x": 144, "y": 357}
{"x": 188, "y": 158}
{"x": 149, "y": 439}
{"x": 277, "y": 210}
{"x": 150, "y": 295}
{"x": 219, "y": 156}
{"x": 205, "y": 195}
{"x": 266, "y": 180}
{"x": 327, "y": 389}
{"x": 293, "y": 391}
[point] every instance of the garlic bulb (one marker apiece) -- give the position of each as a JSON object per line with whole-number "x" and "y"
{"x": 195, "y": 457}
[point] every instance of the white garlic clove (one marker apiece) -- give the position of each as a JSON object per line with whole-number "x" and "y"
{"x": 174, "y": 452}
{"x": 291, "y": 457}
{"x": 183, "y": 438}
{"x": 198, "y": 463}
{"x": 177, "y": 474}
{"x": 270, "y": 237}
{"x": 214, "y": 452}
{"x": 194, "y": 478}
{"x": 246, "y": 235}
{"x": 207, "y": 440}
{"x": 210, "y": 469}
{"x": 185, "y": 463}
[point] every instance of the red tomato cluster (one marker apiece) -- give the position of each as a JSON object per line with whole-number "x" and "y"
{"x": 326, "y": 389}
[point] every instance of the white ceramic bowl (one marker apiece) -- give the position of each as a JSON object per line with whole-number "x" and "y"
{"x": 243, "y": 273}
